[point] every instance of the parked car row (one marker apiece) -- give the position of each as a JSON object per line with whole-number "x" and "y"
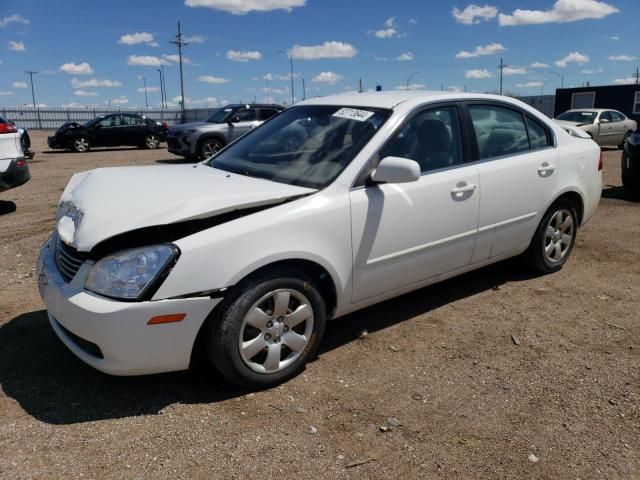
{"x": 606, "y": 127}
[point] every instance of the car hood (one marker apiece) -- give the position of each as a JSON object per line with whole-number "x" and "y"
{"x": 69, "y": 126}
{"x": 102, "y": 203}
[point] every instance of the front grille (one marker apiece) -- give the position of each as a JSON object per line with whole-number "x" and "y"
{"x": 68, "y": 260}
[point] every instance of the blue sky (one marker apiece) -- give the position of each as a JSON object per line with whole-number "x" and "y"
{"x": 90, "y": 52}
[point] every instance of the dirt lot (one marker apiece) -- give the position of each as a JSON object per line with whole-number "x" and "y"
{"x": 472, "y": 402}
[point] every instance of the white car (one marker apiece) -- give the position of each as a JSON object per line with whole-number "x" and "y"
{"x": 14, "y": 170}
{"x": 246, "y": 256}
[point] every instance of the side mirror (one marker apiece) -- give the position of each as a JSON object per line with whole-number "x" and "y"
{"x": 604, "y": 120}
{"x": 396, "y": 170}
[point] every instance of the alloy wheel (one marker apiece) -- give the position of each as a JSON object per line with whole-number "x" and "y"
{"x": 81, "y": 144}
{"x": 559, "y": 235}
{"x": 152, "y": 141}
{"x": 210, "y": 149}
{"x": 276, "y": 330}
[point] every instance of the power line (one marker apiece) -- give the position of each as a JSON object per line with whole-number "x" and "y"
{"x": 180, "y": 44}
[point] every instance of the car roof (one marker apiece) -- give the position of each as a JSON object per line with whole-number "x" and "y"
{"x": 597, "y": 110}
{"x": 394, "y": 98}
{"x": 254, "y": 105}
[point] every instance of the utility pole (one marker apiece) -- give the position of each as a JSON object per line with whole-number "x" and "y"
{"x": 164, "y": 85}
{"x": 501, "y": 67}
{"x": 304, "y": 91}
{"x": 31, "y": 73}
{"x": 637, "y": 75}
{"x": 161, "y": 89}
{"x": 180, "y": 44}
{"x": 146, "y": 98}
{"x": 410, "y": 77}
{"x": 360, "y": 88}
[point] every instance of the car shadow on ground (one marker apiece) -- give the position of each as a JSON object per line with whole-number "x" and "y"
{"x": 113, "y": 149}
{"x": 55, "y": 387}
{"x": 7, "y": 207}
{"x": 617, "y": 192}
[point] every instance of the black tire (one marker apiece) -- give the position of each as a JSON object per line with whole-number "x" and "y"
{"x": 227, "y": 328}
{"x": 536, "y": 254}
{"x": 624, "y": 140}
{"x": 151, "y": 141}
{"x": 80, "y": 144}
{"x": 209, "y": 147}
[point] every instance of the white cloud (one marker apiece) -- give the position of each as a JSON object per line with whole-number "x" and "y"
{"x": 529, "y": 85}
{"x": 136, "y": 38}
{"x": 474, "y": 14}
{"x": 6, "y": 93}
{"x": 73, "y": 105}
{"x": 328, "y": 78}
{"x": 390, "y": 29}
{"x": 622, "y": 58}
{"x": 563, "y": 11}
{"x": 490, "y": 49}
{"x": 15, "y": 18}
{"x": 207, "y": 100}
{"x": 625, "y": 81}
{"x": 20, "y": 85}
{"x": 212, "y": 79}
{"x": 412, "y": 86}
{"x": 506, "y": 71}
{"x": 614, "y": 37}
{"x": 149, "y": 89}
{"x": 175, "y": 58}
{"x": 405, "y": 57}
{"x": 573, "y": 57}
{"x": 591, "y": 72}
{"x": 413, "y": 21}
{"x": 94, "y": 83}
{"x": 243, "y": 56}
{"x": 240, "y": 7}
{"x": 84, "y": 93}
{"x": 326, "y": 50}
{"x": 121, "y": 100}
{"x": 478, "y": 74}
{"x": 455, "y": 88}
{"x": 16, "y": 46}
{"x": 146, "y": 61}
{"x": 538, "y": 65}
{"x": 76, "y": 68}
{"x": 194, "y": 39}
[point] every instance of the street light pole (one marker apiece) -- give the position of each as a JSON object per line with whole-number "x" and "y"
{"x": 161, "y": 89}
{"x": 304, "y": 91}
{"x": 146, "y": 98}
{"x": 293, "y": 98}
{"x": 561, "y": 77}
{"x": 410, "y": 77}
{"x": 501, "y": 67}
{"x": 31, "y": 73}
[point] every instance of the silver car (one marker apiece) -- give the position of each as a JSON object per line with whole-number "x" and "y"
{"x": 606, "y": 127}
{"x": 202, "y": 140}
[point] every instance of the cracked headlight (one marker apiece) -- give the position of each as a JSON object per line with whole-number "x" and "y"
{"x": 129, "y": 274}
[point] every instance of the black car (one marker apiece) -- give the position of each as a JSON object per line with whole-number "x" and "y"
{"x": 116, "y": 129}
{"x": 631, "y": 162}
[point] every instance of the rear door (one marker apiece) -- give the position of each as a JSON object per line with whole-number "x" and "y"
{"x": 518, "y": 170}
{"x": 135, "y": 129}
{"x": 618, "y": 127}
{"x": 606, "y": 133}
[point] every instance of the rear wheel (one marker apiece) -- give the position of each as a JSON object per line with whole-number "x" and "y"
{"x": 555, "y": 237}
{"x": 209, "y": 148}
{"x": 151, "y": 141}
{"x": 269, "y": 330}
{"x": 80, "y": 144}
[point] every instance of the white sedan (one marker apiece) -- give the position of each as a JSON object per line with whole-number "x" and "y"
{"x": 246, "y": 256}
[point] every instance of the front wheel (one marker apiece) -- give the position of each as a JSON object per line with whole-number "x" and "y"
{"x": 80, "y": 144}
{"x": 554, "y": 238}
{"x": 209, "y": 148}
{"x": 269, "y": 331}
{"x": 151, "y": 141}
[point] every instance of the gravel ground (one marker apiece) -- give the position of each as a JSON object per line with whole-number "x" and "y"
{"x": 495, "y": 374}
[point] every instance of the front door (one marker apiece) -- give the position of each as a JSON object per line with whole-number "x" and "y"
{"x": 108, "y": 132}
{"x": 406, "y": 233}
{"x": 242, "y": 120}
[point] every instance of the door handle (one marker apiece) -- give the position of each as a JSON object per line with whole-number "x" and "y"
{"x": 546, "y": 169}
{"x": 461, "y": 189}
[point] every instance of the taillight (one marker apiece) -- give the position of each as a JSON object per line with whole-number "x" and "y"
{"x": 165, "y": 125}
{"x": 8, "y": 128}
{"x": 601, "y": 161}
{"x": 21, "y": 163}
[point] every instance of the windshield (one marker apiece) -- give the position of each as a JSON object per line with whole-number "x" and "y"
{"x": 307, "y": 146}
{"x": 580, "y": 117}
{"x": 219, "y": 115}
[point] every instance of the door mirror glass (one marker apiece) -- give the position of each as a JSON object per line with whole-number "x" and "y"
{"x": 604, "y": 120}
{"x": 396, "y": 170}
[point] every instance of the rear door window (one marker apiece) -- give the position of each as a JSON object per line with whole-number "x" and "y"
{"x": 539, "y": 136}
{"x": 267, "y": 113}
{"x": 499, "y": 130}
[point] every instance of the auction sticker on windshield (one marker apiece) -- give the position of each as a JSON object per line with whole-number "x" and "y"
{"x": 354, "y": 114}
